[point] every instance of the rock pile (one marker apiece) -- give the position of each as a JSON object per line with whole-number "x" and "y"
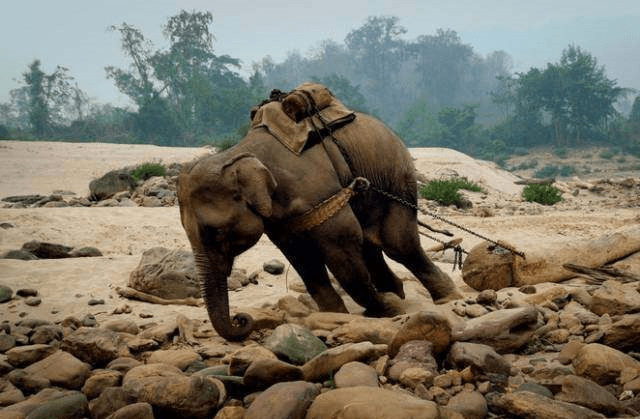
{"x": 114, "y": 189}
{"x": 543, "y": 352}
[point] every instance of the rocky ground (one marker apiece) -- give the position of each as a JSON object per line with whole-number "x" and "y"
{"x": 73, "y": 346}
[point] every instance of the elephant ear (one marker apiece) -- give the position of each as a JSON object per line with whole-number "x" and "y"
{"x": 254, "y": 181}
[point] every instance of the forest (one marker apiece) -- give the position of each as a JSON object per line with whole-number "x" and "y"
{"x": 434, "y": 91}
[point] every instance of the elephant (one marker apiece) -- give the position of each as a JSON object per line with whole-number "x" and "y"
{"x": 230, "y": 198}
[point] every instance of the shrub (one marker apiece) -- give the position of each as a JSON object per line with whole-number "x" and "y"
{"x": 545, "y": 194}
{"x": 561, "y": 152}
{"x": 148, "y": 170}
{"x": 446, "y": 192}
{"x": 607, "y": 154}
{"x": 567, "y": 171}
{"x": 546, "y": 172}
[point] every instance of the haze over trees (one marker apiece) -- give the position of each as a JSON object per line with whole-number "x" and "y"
{"x": 434, "y": 90}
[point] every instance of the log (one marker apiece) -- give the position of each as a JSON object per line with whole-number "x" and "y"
{"x": 133, "y": 294}
{"x": 492, "y": 267}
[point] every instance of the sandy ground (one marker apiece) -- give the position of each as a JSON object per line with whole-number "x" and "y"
{"x": 122, "y": 234}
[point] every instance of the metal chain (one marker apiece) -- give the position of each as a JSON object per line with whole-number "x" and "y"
{"x": 441, "y": 218}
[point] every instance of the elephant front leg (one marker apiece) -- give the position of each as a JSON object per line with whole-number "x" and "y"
{"x": 340, "y": 240}
{"x": 308, "y": 261}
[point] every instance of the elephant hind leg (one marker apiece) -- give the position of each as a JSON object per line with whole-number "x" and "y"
{"x": 401, "y": 242}
{"x": 307, "y": 260}
{"x": 381, "y": 275}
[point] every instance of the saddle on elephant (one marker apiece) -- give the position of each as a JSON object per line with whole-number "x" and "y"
{"x": 309, "y": 109}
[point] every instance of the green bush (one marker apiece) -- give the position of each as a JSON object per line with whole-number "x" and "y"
{"x": 545, "y": 194}
{"x": 607, "y": 154}
{"x": 446, "y": 192}
{"x": 561, "y": 152}
{"x": 148, "y": 170}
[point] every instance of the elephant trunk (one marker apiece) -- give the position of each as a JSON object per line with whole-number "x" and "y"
{"x": 213, "y": 272}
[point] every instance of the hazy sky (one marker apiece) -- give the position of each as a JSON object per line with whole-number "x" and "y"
{"x": 73, "y": 33}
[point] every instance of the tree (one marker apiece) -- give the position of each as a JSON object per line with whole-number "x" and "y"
{"x": 195, "y": 91}
{"x": 48, "y": 97}
{"x": 441, "y": 63}
{"x": 575, "y": 92}
{"x": 376, "y": 46}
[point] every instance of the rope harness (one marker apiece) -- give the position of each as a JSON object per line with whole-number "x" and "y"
{"x": 330, "y": 206}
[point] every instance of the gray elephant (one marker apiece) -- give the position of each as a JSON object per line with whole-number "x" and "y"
{"x": 298, "y": 198}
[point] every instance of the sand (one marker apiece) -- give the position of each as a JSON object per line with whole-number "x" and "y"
{"x": 122, "y": 234}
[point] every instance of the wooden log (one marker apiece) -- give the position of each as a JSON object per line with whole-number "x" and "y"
{"x": 133, "y": 294}
{"x": 491, "y": 267}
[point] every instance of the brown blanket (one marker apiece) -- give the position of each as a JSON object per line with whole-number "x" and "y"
{"x": 308, "y": 108}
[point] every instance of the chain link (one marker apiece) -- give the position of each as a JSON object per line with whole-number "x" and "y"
{"x": 444, "y": 220}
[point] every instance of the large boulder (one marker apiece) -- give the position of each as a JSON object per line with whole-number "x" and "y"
{"x": 370, "y": 403}
{"x": 110, "y": 184}
{"x": 165, "y": 273}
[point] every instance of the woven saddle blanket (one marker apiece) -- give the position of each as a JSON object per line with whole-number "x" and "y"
{"x": 309, "y": 109}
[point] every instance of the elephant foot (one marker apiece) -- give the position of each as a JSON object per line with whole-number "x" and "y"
{"x": 452, "y": 296}
{"x": 391, "y": 307}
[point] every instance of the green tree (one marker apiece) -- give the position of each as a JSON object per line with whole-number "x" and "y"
{"x": 49, "y": 97}
{"x": 195, "y": 92}
{"x": 575, "y": 93}
{"x": 419, "y": 126}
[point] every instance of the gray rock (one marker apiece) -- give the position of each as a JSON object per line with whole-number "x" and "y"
{"x": 6, "y": 293}
{"x": 166, "y": 273}
{"x": 46, "y": 334}
{"x": 9, "y": 394}
{"x": 370, "y": 403}
{"x": 171, "y": 392}
{"x": 133, "y": 411}
{"x": 61, "y": 369}
{"x": 471, "y": 404}
{"x": 24, "y": 355}
{"x": 294, "y": 343}
{"x": 274, "y": 267}
{"x": 283, "y": 401}
{"x": 122, "y": 325}
{"x": 332, "y": 359}
{"x": 624, "y": 333}
{"x": 354, "y": 374}
{"x": 47, "y": 250}
{"x": 99, "y": 381}
{"x": 532, "y": 405}
{"x": 20, "y": 254}
{"x": 613, "y": 297}
{"x": 586, "y": 393}
{"x": 483, "y": 359}
{"x": 110, "y": 400}
{"x": 180, "y": 358}
{"x": 601, "y": 363}
{"x": 240, "y": 359}
{"x": 27, "y": 292}
{"x": 425, "y": 325}
{"x": 84, "y": 252}
{"x": 109, "y": 184}
{"x": 28, "y": 383}
{"x": 95, "y": 346}
{"x": 413, "y": 354}
{"x": 123, "y": 364}
{"x": 265, "y": 372}
{"x": 33, "y": 301}
{"x": 73, "y": 405}
{"x": 6, "y": 342}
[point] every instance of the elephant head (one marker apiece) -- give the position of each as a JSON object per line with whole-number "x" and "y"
{"x": 222, "y": 207}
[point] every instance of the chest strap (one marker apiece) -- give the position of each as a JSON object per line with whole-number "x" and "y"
{"x": 329, "y": 207}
